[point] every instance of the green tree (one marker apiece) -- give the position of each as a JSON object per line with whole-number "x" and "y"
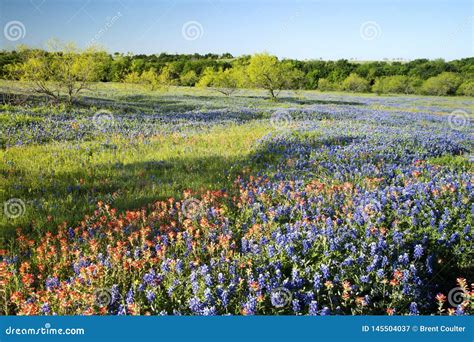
{"x": 150, "y": 79}
{"x": 189, "y": 78}
{"x": 120, "y": 67}
{"x": 325, "y": 85}
{"x": 466, "y": 88}
{"x": 445, "y": 83}
{"x": 223, "y": 81}
{"x": 62, "y": 73}
{"x": 133, "y": 77}
{"x": 355, "y": 83}
{"x": 267, "y": 72}
{"x": 167, "y": 77}
{"x": 398, "y": 84}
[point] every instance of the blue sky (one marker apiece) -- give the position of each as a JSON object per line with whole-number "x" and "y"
{"x": 364, "y": 30}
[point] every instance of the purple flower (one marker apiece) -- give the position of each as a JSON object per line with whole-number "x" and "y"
{"x": 51, "y": 283}
{"x": 296, "y": 306}
{"x": 151, "y": 278}
{"x": 325, "y": 271}
{"x": 121, "y": 310}
{"x": 459, "y": 311}
{"x": 150, "y": 295}
{"x": 220, "y": 278}
{"x": 414, "y": 309}
{"x": 250, "y": 306}
{"x": 325, "y": 311}
{"x": 45, "y": 308}
{"x": 115, "y": 294}
{"x": 418, "y": 252}
{"x": 195, "y": 305}
{"x": 317, "y": 281}
{"x": 209, "y": 311}
{"x": 129, "y": 298}
{"x": 313, "y": 308}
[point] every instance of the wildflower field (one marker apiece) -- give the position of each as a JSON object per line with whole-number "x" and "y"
{"x": 185, "y": 202}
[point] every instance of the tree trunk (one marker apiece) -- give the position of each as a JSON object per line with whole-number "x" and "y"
{"x": 272, "y": 93}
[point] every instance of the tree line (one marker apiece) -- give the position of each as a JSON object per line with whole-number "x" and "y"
{"x": 65, "y": 70}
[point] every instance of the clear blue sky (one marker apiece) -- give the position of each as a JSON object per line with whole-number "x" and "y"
{"x": 298, "y": 29}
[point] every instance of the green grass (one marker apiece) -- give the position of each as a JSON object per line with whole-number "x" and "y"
{"x": 62, "y": 182}
{"x": 454, "y": 162}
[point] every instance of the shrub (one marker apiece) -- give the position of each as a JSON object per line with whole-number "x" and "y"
{"x": 395, "y": 84}
{"x": 133, "y": 77}
{"x": 189, "y": 79}
{"x": 325, "y": 85}
{"x": 267, "y": 72}
{"x": 224, "y": 81}
{"x": 62, "y": 73}
{"x": 355, "y": 83}
{"x": 444, "y": 84}
{"x": 467, "y": 88}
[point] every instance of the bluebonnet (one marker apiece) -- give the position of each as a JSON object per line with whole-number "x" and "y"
{"x": 414, "y": 309}
{"x": 313, "y": 308}
{"x": 51, "y": 283}
{"x": 150, "y": 295}
{"x": 418, "y": 252}
{"x": 325, "y": 271}
{"x": 45, "y": 308}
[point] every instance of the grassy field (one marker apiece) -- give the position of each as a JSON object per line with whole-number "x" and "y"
{"x": 329, "y": 195}
{"x": 61, "y": 180}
